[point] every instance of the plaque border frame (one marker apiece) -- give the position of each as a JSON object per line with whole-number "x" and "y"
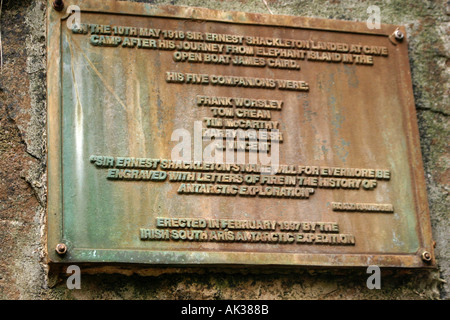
{"x": 54, "y": 234}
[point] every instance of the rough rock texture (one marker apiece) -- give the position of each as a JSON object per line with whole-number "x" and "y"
{"x": 22, "y": 151}
{"x": 23, "y": 274}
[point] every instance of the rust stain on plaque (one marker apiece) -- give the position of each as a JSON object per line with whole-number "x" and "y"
{"x": 187, "y": 136}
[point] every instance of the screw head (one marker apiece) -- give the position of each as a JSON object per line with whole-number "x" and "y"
{"x": 61, "y": 249}
{"x": 398, "y": 35}
{"x": 426, "y": 256}
{"x": 58, "y": 5}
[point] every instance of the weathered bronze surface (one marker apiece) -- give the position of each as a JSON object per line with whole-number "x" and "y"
{"x": 350, "y": 187}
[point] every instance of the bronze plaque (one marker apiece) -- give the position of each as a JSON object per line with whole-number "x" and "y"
{"x": 187, "y": 136}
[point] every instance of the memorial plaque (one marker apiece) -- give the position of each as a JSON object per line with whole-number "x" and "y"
{"x": 187, "y": 136}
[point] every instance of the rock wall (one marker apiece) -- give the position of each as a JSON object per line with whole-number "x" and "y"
{"x": 23, "y": 272}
